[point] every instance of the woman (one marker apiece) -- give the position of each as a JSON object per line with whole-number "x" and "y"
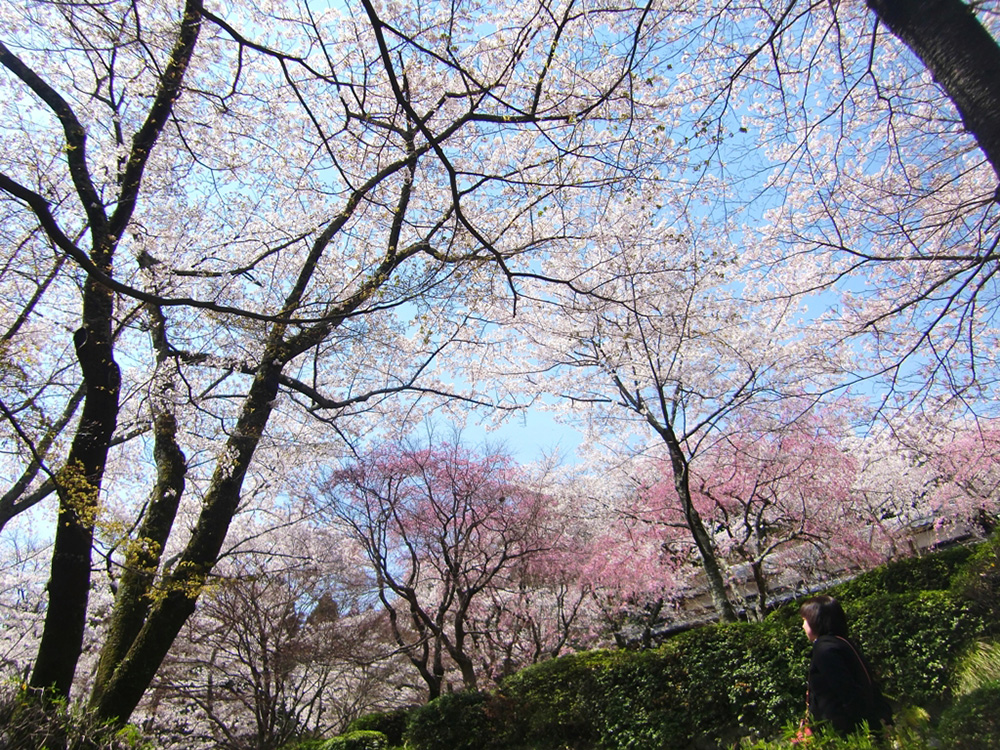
{"x": 840, "y": 688}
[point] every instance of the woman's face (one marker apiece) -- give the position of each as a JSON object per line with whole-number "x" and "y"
{"x": 808, "y": 630}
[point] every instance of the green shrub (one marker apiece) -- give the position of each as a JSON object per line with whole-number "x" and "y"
{"x": 973, "y": 721}
{"x": 390, "y": 723}
{"x": 943, "y": 570}
{"x": 742, "y": 679}
{"x": 361, "y": 739}
{"x": 767, "y": 680}
{"x": 929, "y": 572}
{"x": 557, "y": 701}
{"x": 712, "y": 685}
{"x": 308, "y": 743}
{"x": 463, "y": 721}
{"x": 979, "y": 584}
{"x": 913, "y": 641}
{"x": 640, "y": 702}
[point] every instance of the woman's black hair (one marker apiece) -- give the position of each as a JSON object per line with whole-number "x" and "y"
{"x": 825, "y": 616}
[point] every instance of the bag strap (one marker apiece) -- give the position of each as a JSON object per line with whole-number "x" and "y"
{"x": 858, "y": 657}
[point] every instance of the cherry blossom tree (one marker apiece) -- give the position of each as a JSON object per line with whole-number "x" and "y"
{"x": 275, "y": 652}
{"x": 441, "y": 528}
{"x": 650, "y": 338}
{"x": 854, "y": 145}
{"x": 643, "y": 560}
{"x": 960, "y": 54}
{"x": 262, "y": 223}
{"x": 957, "y": 459}
{"x": 779, "y": 496}
{"x": 537, "y": 612}
{"x": 22, "y": 581}
{"x": 810, "y": 204}
{"x": 928, "y": 480}
{"x": 893, "y": 486}
{"x": 967, "y": 459}
{"x": 566, "y": 597}
{"x": 807, "y": 176}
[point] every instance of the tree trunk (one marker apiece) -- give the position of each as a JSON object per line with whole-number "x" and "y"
{"x": 419, "y": 654}
{"x": 458, "y": 653}
{"x": 142, "y": 559}
{"x": 79, "y": 485}
{"x": 647, "y": 628}
{"x": 962, "y": 56}
{"x": 760, "y": 580}
{"x": 79, "y": 482}
{"x": 116, "y": 697}
{"x": 133, "y": 600}
{"x": 702, "y": 540}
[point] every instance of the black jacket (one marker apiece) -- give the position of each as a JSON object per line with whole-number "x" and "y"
{"x": 841, "y": 690}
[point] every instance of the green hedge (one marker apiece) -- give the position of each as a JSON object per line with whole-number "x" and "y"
{"x": 641, "y": 701}
{"x": 463, "y": 721}
{"x": 914, "y": 641}
{"x": 359, "y": 740}
{"x": 390, "y": 723}
{"x": 929, "y": 572}
{"x": 979, "y": 584}
{"x": 556, "y": 701}
{"x": 713, "y": 684}
{"x": 756, "y": 670}
{"x": 940, "y": 571}
{"x": 706, "y": 687}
